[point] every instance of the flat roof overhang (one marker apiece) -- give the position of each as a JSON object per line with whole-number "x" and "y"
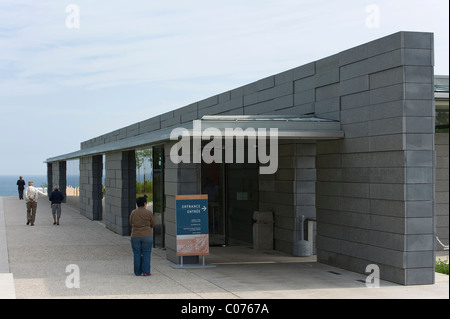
{"x": 441, "y": 100}
{"x": 289, "y": 127}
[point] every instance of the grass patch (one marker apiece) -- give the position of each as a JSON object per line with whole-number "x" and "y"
{"x": 442, "y": 266}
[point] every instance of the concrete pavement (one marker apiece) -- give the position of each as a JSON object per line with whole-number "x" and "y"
{"x": 43, "y": 261}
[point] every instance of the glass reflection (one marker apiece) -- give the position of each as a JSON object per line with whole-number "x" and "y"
{"x": 144, "y": 181}
{"x": 73, "y": 178}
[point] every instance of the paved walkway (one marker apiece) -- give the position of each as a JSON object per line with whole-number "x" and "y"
{"x": 34, "y": 264}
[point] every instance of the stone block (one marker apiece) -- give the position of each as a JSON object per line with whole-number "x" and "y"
{"x": 418, "y": 108}
{"x": 379, "y": 255}
{"x": 328, "y": 92}
{"x": 419, "y": 225}
{"x": 265, "y": 83}
{"x": 388, "y": 60}
{"x": 354, "y": 70}
{"x": 386, "y": 240}
{"x": 386, "y": 126}
{"x": 419, "y": 175}
{"x": 423, "y": 57}
{"x": 420, "y": 276}
{"x": 304, "y": 97}
{"x": 419, "y": 91}
{"x": 353, "y": 55}
{"x": 385, "y": 44}
{"x": 354, "y": 85}
{"x": 207, "y": 102}
{"x": 361, "y": 114}
{"x": 356, "y": 130}
{"x": 387, "y": 191}
{"x": 305, "y": 84}
{"x": 327, "y": 106}
{"x": 327, "y": 77}
{"x": 304, "y": 71}
{"x": 419, "y": 192}
{"x": 387, "y": 78}
{"x": 387, "y": 94}
{"x": 419, "y": 142}
{"x": 355, "y": 100}
{"x": 384, "y": 143}
{"x": 419, "y": 242}
{"x": 419, "y": 74}
{"x": 418, "y": 40}
{"x": 387, "y": 175}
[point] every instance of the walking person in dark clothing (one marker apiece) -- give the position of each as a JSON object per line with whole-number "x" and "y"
{"x": 20, "y": 186}
{"x": 56, "y": 197}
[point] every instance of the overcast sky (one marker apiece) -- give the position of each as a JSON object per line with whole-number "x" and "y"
{"x": 62, "y": 83}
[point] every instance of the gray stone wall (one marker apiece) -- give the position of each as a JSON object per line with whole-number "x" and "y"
{"x": 50, "y": 175}
{"x": 374, "y": 192}
{"x": 442, "y": 182}
{"x": 90, "y": 199}
{"x": 290, "y": 192}
{"x": 56, "y": 176}
{"x": 120, "y": 187}
{"x": 305, "y": 188}
{"x": 179, "y": 179}
{"x": 375, "y": 199}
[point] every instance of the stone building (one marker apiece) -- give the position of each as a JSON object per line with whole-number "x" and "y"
{"x": 360, "y": 155}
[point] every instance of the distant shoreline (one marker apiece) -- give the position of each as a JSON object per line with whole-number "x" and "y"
{"x": 8, "y": 183}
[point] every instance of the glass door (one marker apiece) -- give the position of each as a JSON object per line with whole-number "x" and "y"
{"x": 158, "y": 196}
{"x": 241, "y": 202}
{"x": 213, "y": 185}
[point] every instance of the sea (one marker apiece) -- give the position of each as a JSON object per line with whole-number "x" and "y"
{"x": 8, "y": 183}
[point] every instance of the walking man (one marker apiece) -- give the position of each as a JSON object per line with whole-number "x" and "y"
{"x": 56, "y": 197}
{"x": 31, "y": 197}
{"x": 20, "y": 187}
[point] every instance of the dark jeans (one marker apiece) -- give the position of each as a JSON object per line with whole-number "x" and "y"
{"x": 142, "y": 251}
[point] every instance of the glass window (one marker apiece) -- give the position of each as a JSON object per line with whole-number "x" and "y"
{"x": 73, "y": 178}
{"x": 144, "y": 183}
{"x": 442, "y": 119}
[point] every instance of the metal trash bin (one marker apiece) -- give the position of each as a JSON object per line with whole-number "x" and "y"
{"x": 301, "y": 246}
{"x": 263, "y": 230}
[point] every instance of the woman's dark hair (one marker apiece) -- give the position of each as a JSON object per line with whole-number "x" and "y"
{"x": 141, "y": 201}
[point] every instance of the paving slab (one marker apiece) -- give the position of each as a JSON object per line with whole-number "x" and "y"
{"x": 45, "y": 261}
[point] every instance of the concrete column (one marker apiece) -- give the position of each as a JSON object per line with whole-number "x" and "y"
{"x": 375, "y": 193}
{"x": 50, "y": 175}
{"x": 90, "y": 204}
{"x": 180, "y": 179}
{"x": 120, "y": 186}
{"x": 56, "y": 176}
{"x": 305, "y": 188}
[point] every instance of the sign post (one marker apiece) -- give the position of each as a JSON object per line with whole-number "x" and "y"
{"x": 192, "y": 228}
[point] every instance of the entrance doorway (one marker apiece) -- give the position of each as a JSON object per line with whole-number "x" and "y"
{"x": 233, "y": 196}
{"x": 150, "y": 183}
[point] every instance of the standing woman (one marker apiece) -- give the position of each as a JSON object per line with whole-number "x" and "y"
{"x": 142, "y": 223}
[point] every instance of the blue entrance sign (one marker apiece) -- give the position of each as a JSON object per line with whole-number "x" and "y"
{"x": 192, "y": 225}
